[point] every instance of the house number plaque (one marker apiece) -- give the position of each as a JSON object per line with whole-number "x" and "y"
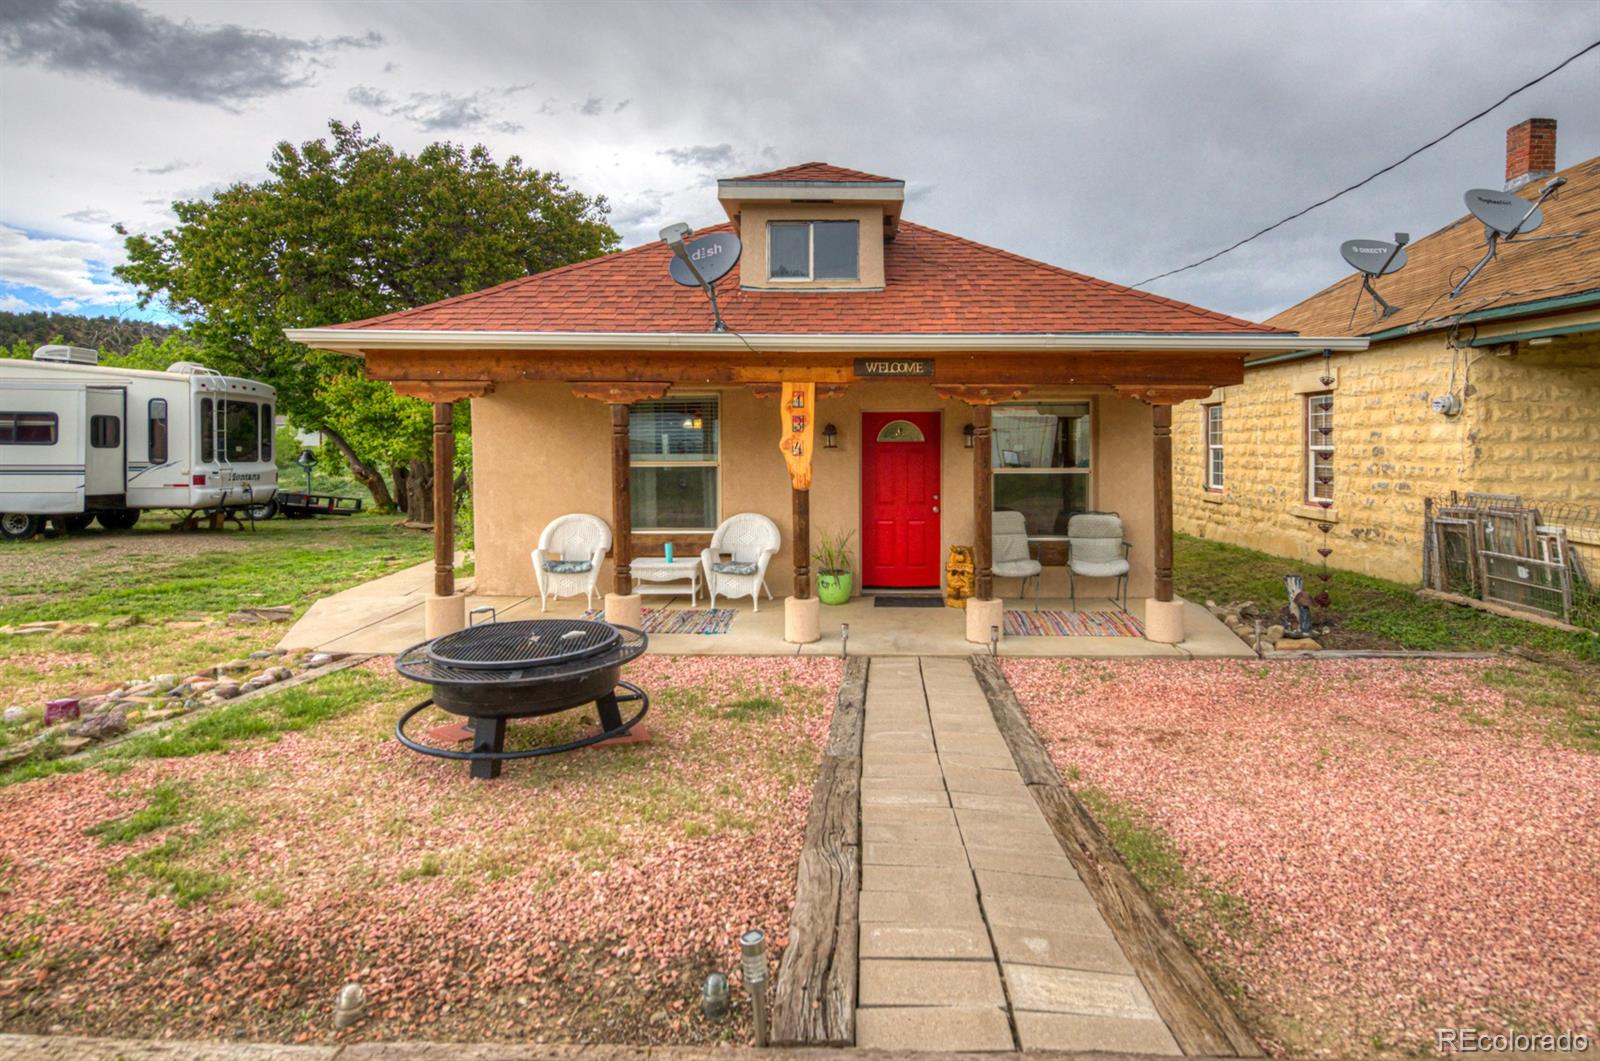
{"x": 869, "y": 367}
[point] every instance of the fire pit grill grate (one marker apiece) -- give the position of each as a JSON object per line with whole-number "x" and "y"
{"x": 532, "y": 643}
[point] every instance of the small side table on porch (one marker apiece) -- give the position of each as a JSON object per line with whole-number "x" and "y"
{"x": 658, "y": 575}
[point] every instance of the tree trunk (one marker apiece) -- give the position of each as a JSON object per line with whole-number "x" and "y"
{"x": 419, "y": 492}
{"x": 364, "y": 473}
{"x": 402, "y": 497}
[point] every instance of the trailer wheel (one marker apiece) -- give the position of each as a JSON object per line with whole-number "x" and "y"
{"x": 264, "y": 511}
{"x": 118, "y": 518}
{"x": 79, "y": 522}
{"x": 19, "y": 526}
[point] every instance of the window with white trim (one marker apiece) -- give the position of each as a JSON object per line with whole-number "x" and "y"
{"x": 156, "y": 431}
{"x": 1042, "y": 465}
{"x": 28, "y": 429}
{"x": 1213, "y": 446}
{"x": 1319, "y": 447}
{"x": 813, "y": 250}
{"x": 674, "y": 456}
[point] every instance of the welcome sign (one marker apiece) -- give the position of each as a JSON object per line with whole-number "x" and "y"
{"x": 902, "y": 367}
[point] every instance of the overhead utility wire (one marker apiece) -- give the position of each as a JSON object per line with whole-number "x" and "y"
{"x": 1368, "y": 180}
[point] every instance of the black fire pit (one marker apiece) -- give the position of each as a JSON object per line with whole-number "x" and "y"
{"x": 497, "y": 671}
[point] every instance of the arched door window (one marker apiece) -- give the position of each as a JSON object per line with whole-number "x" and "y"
{"x": 900, "y": 431}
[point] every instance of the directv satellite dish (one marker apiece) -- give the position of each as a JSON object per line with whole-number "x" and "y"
{"x": 1374, "y": 258}
{"x": 713, "y": 255}
{"x": 1505, "y": 217}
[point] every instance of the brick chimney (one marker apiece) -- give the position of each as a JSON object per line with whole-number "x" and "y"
{"x": 1530, "y": 152}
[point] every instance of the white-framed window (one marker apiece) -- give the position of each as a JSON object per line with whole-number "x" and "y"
{"x": 1319, "y": 446}
{"x": 674, "y": 456}
{"x": 813, "y": 250}
{"x": 1042, "y": 463}
{"x": 29, "y": 429}
{"x": 1213, "y": 424}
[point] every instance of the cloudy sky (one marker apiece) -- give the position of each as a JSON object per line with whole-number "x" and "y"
{"x": 1119, "y": 139}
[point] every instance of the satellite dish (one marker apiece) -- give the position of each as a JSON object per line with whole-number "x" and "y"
{"x": 713, "y": 255}
{"x": 1505, "y": 217}
{"x": 1374, "y": 258}
{"x": 1503, "y": 212}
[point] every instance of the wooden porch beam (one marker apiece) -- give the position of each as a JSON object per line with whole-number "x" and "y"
{"x": 444, "y": 390}
{"x": 444, "y": 500}
{"x": 615, "y": 392}
{"x": 980, "y": 394}
{"x": 801, "y": 544}
{"x": 1162, "y": 394}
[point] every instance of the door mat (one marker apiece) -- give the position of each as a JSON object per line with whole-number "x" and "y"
{"x": 907, "y": 601}
{"x": 1056, "y": 623}
{"x": 681, "y": 621}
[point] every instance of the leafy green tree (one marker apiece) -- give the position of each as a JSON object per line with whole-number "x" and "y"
{"x": 346, "y": 228}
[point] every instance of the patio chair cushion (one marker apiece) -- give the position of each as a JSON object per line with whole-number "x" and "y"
{"x": 1016, "y": 568}
{"x": 1099, "y": 568}
{"x": 733, "y": 567}
{"x": 568, "y": 567}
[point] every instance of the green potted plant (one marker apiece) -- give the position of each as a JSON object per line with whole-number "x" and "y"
{"x": 835, "y": 579}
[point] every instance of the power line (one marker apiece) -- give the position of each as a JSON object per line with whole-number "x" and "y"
{"x": 1368, "y": 180}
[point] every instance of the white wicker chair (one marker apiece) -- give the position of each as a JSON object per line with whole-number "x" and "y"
{"x": 1010, "y": 557}
{"x": 1096, "y": 549}
{"x": 567, "y": 561}
{"x": 752, "y": 539}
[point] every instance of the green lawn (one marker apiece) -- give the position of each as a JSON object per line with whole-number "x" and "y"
{"x": 1387, "y": 614}
{"x": 180, "y": 586}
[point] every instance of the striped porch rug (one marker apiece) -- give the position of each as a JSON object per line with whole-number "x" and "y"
{"x": 1056, "y": 623}
{"x": 680, "y": 621}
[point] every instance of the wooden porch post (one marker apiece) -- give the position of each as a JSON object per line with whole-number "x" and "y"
{"x": 1161, "y": 430}
{"x": 444, "y": 498}
{"x": 983, "y": 501}
{"x": 621, "y": 501}
{"x": 802, "y": 543}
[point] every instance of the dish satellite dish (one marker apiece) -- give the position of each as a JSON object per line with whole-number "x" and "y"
{"x": 712, "y": 255}
{"x": 701, "y": 263}
{"x": 1505, "y": 217}
{"x": 1374, "y": 258}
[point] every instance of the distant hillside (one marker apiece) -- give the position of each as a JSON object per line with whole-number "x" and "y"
{"x": 97, "y": 333}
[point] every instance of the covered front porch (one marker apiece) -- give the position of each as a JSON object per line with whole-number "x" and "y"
{"x": 388, "y": 615}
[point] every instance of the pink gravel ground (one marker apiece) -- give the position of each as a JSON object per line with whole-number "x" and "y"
{"x": 1412, "y": 858}
{"x": 584, "y": 896}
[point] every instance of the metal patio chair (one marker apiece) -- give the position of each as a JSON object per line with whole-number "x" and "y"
{"x": 1096, "y": 549}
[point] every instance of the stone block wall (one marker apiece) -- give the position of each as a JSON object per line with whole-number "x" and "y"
{"x": 1529, "y": 425}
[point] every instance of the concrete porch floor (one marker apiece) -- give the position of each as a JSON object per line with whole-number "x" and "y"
{"x": 385, "y": 616}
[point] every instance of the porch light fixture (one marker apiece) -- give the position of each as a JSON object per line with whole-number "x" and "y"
{"x": 830, "y": 437}
{"x": 967, "y": 434}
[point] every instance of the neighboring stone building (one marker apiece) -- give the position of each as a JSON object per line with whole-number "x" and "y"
{"x": 1519, "y": 351}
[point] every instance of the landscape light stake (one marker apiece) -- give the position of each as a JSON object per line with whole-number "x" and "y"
{"x": 994, "y": 640}
{"x": 844, "y": 640}
{"x": 753, "y": 951}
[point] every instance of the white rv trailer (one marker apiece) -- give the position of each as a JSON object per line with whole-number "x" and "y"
{"x": 81, "y": 441}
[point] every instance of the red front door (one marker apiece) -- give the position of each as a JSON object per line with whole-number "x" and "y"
{"x": 900, "y": 500}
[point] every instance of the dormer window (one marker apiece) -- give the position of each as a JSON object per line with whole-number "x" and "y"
{"x": 813, "y": 250}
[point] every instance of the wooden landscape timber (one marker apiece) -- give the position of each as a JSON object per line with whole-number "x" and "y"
{"x": 1201, "y": 1020}
{"x": 814, "y": 998}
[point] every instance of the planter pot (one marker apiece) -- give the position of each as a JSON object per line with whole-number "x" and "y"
{"x": 834, "y": 587}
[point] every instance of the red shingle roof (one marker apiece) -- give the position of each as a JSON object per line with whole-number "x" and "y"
{"x": 936, "y": 284}
{"x": 816, "y": 171}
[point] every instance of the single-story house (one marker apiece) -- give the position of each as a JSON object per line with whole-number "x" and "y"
{"x": 1495, "y": 391}
{"x": 951, "y": 380}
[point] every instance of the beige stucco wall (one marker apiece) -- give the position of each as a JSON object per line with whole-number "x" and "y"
{"x": 1530, "y": 425}
{"x": 753, "y": 223}
{"x": 539, "y": 452}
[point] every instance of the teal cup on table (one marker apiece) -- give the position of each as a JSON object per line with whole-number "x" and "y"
{"x": 669, "y": 552}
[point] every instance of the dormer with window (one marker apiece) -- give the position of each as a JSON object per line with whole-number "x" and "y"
{"x": 813, "y": 227}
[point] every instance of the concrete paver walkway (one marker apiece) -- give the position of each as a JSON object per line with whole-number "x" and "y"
{"x": 975, "y": 931}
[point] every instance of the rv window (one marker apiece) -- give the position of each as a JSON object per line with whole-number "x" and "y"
{"x": 28, "y": 429}
{"x": 241, "y": 430}
{"x": 266, "y": 432}
{"x": 105, "y": 432}
{"x": 158, "y": 430}
{"x": 208, "y": 449}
